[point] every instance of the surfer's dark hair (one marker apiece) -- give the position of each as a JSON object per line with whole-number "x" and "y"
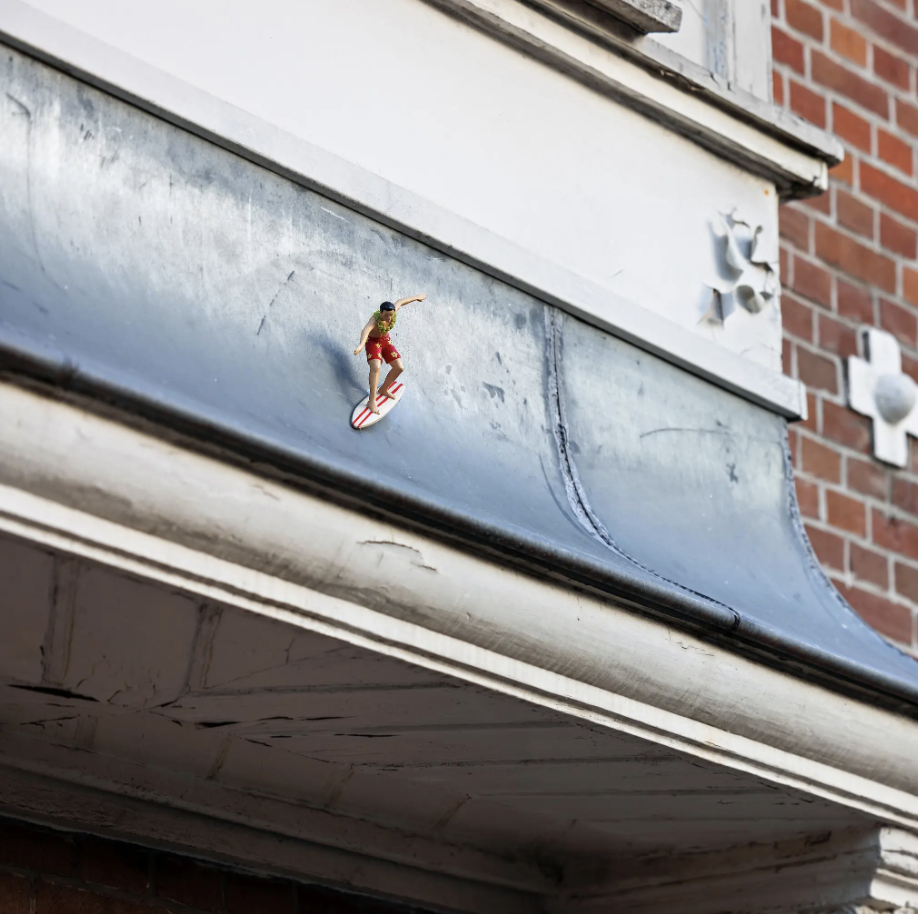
{"x": 387, "y": 306}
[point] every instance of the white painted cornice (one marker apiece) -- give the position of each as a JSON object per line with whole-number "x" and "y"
{"x": 733, "y": 124}
{"x": 844, "y": 871}
{"x": 94, "y": 488}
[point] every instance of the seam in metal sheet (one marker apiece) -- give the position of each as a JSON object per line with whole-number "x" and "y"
{"x": 573, "y": 487}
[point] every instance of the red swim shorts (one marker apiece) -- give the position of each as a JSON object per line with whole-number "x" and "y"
{"x": 382, "y": 348}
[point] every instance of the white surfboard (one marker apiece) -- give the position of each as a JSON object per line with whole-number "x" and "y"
{"x": 362, "y": 418}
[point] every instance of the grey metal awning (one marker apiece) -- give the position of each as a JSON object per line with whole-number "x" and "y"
{"x": 143, "y": 266}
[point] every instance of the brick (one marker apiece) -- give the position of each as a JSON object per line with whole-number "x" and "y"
{"x": 866, "y": 477}
{"x": 811, "y": 423}
{"x": 817, "y": 371}
{"x": 829, "y": 548}
{"x": 910, "y": 285}
{"x": 776, "y": 9}
{"x": 895, "y": 152}
{"x": 910, "y": 367}
{"x": 51, "y": 898}
{"x": 887, "y": 189}
{"x": 849, "y": 43}
{"x": 812, "y": 281}
{"x": 835, "y": 337}
{"x": 844, "y": 170}
{"x": 251, "y": 895}
{"x": 869, "y": 566}
{"x": 826, "y": 72}
{"x": 787, "y": 50}
{"x": 34, "y": 848}
{"x": 854, "y": 302}
{"x": 793, "y": 440}
{"x": 821, "y": 203}
{"x": 891, "y": 69}
{"x": 888, "y": 618}
{"x": 807, "y": 497}
{"x": 900, "y": 322}
{"x": 808, "y": 104}
{"x": 907, "y": 117}
{"x": 895, "y": 534}
{"x": 787, "y": 357}
{"x": 819, "y": 460}
{"x": 846, "y": 513}
{"x": 899, "y": 238}
{"x": 854, "y": 258}
{"x": 794, "y": 226}
{"x": 851, "y": 127}
{"x": 803, "y": 17}
{"x": 777, "y": 88}
{"x": 905, "y": 495}
{"x": 15, "y": 894}
{"x": 846, "y": 427}
{"x": 188, "y": 882}
{"x": 886, "y": 24}
{"x": 115, "y": 865}
{"x": 796, "y": 317}
{"x": 853, "y": 214}
{"x": 907, "y": 581}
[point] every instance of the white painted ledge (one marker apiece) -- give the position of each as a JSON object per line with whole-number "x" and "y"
{"x": 253, "y": 138}
{"x": 94, "y": 488}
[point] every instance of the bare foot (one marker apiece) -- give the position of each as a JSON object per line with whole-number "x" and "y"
{"x": 371, "y": 405}
{"x": 389, "y": 394}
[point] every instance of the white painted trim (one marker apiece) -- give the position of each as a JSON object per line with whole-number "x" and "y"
{"x": 896, "y": 881}
{"x": 841, "y": 869}
{"x": 651, "y": 54}
{"x": 723, "y": 131}
{"x": 51, "y": 446}
{"x": 311, "y": 166}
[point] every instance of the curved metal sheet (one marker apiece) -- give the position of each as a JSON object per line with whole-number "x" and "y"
{"x": 138, "y": 259}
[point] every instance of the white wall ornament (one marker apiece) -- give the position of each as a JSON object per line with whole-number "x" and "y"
{"x": 878, "y": 388}
{"x": 742, "y": 305}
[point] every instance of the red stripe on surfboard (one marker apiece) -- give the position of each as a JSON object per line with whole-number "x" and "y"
{"x": 379, "y": 399}
{"x": 365, "y": 414}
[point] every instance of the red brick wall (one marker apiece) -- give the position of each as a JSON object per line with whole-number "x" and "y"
{"x": 848, "y": 259}
{"x": 48, "y": 872}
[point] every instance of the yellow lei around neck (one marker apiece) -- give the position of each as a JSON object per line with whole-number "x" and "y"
{"x": 380, "y": 326}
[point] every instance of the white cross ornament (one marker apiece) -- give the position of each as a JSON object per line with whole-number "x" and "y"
{"x": 878, "y": 388}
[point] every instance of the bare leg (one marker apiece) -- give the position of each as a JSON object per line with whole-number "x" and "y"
{"x": 395, "y": 369}
{"x": 374, "y": 383}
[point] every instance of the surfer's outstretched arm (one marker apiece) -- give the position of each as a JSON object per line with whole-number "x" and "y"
{"x": 364, "y": 335}
{"x": 407, "y": 301}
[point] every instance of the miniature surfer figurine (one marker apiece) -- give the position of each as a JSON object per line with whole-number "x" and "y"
{"x": 375, "y": 338}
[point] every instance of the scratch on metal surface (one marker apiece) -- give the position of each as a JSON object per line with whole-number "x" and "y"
{"x": 576, "y": 494}
{"x": 674, "y": 428}
{"x": 27, "y": 112}
{"x": 280, "y": 289}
